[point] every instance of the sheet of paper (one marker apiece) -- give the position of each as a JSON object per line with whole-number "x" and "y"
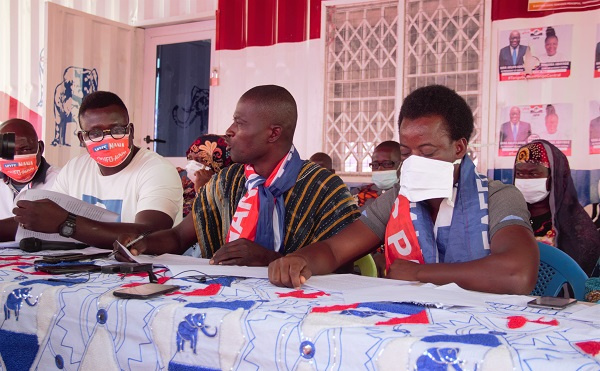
{"x": 586, "y": 312}
{"x": 9, "y": 245}
{"x": 68, "y": 203}
{"x": 348, "y": 282}
{"x": 519, "y": 300}
{"x": 86, "y": 251}
{"x": 424, "y": 294}
{"x": 185, "y": 266}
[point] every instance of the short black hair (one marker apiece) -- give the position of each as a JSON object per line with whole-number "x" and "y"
{"x": 101, "y": 99}
{"x": 439, "y": 100}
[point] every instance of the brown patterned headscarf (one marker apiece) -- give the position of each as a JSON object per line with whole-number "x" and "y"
{"x": 211, "y": 150}
{"x": 533, "y": 153}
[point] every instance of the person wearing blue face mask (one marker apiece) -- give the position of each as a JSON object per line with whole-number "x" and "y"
{"x": 384, "y": 167}
{"x": 444, "y": 223}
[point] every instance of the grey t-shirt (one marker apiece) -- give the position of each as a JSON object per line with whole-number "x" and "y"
{"x": 506, "y": 206}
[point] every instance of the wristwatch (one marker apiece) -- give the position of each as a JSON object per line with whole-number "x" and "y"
{"x": 67, "y": 228}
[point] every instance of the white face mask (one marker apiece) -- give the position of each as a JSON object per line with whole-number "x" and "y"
{"x": 191, "y": 168}
{"x": 534, "y": 190}
{"x": 385, "y": 179}
{"x": 424, "y": 179}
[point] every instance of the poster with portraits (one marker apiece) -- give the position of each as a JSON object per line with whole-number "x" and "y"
{"x": 535, "y": 53}
{"x": 597, "y": 53}
{"x": 545, "y": 5}
{"x": 555, "y": 92}
{"x": 522, "y": 124}
{"x": 594, "y": 127}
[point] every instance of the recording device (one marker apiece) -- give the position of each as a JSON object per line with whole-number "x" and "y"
{"x": 127, "y": 268}
{"x": 145, "y": 291}
{"x": 550, "y": 302}
{"x": 32, "y": 244}
{"x": 7, "y": 146}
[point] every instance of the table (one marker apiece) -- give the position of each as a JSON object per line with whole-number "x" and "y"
{"x": 74, "y": 322}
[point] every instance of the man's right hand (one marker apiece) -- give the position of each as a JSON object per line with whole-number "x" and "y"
{"x": 137, "y": 248}
{"x": 290, "y": 271}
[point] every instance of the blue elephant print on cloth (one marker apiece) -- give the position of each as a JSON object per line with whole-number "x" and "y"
{"x": 188, "y": 330}
{"x": 68, "y": 95}
{"x": 15, "y": 301}
{"x": 439, "y": 359}
{"x": 198, "y": 109}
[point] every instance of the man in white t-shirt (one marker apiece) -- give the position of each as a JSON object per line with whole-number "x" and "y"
{"x": 28, "y": 169}
{"x": 139, "y": 185}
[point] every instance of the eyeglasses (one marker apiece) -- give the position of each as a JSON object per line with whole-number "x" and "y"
{"x": 97, "y": 135}
{"x": 384, "y": 164}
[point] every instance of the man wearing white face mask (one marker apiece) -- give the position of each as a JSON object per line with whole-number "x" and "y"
{"x": 140, "y": 186}
{"x": 543, "y": 175}
{"x": 444, "y": 223}
{"x": 28, "y": 169}
{"x": 384, "y": 166}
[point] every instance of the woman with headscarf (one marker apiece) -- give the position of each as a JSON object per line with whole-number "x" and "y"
{"x": 543, "y": 175}
{"x": 206, "y": 157}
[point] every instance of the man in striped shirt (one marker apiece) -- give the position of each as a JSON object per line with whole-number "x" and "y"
{"x": 270, "y": 202}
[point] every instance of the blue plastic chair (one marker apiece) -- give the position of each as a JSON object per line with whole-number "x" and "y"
{"x": 556, "y": 269}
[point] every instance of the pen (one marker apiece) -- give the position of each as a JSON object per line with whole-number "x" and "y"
{"x": 137, "y": 239}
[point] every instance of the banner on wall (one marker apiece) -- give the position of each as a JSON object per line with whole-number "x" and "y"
{"x": 535, "y": 53}
{"x": 545, "y": 5}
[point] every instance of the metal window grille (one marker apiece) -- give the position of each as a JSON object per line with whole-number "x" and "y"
{"x": 361, "y": 55}
{"x": 444, "y": 45}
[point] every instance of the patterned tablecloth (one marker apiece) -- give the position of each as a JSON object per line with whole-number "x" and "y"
{"x": 75, "y": 322}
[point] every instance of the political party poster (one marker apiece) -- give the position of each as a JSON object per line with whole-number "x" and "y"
{"x": 522, "y": 124}
{"x": 545, "y": 5}
{"x": 595, "y": 127}
{"x": 535, "y": 53}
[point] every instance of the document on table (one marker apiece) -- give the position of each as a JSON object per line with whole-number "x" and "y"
{"x": 349, "y": 282}
{"x": 427, "y": 294}
{"x": 186, "y": 266}
{"x": 71, "y": 204}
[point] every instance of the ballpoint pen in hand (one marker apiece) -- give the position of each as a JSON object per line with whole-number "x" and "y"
{"x": 118, "y": 247}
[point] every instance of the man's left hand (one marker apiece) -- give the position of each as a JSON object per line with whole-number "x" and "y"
{"x": 404, "y": 270}
{"x": 40, "y": 216}
{"x": 244, "y": 252}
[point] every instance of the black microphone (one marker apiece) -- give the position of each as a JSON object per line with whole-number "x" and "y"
{"x": 32, "y": 244}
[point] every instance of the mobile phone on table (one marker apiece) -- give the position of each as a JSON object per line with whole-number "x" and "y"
{"x": 550, "y": 302}
{"x": 145, "y": 291}
{"x": 70, "y": 268}
{"x": 71, "y": 257}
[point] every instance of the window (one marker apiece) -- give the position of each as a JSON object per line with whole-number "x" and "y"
{"x": 360, "y": 82}
{"x": 444, "y": 45}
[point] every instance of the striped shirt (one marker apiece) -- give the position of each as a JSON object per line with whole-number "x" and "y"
{"x": 317, "y": 207}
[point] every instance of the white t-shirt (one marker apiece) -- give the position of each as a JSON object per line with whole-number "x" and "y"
{"x": 7, "y": 195}
{"x": 149, "y": 182}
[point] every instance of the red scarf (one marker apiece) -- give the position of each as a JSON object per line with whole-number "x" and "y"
{"x": 400, "y": 236}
